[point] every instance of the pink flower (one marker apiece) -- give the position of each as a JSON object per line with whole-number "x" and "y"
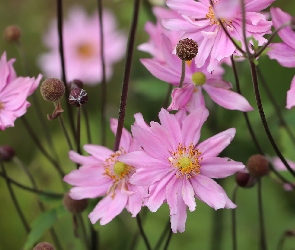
{"x": 283, "y": 52}
{"x": 190, "y": 97}
{"x": 291, "y": 95}
{"x": 176, "y": 167}
{"x": 154, "y": 45}
{"x": 201, "y": 25}
{"x": 279, "y": 166}
{"x": 13, "y": 93}
{"x": 82, "y": 47}
{"x": 102, "y": 174}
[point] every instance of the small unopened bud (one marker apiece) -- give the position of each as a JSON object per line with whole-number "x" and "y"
{"x": 12, "y": 33}
{"x": 6, "y": 153}
{"x": 52, "y": 89}
{"x": 76, "y": 83}
{"x": 44, "y": 246}
{"x": 74, "y": 206}
{"x": 293, "y": 23}
{"x": 245, "y": 180}
{"x": 258, "y": 165}
{"x": 186, "y": 49}
{"x": 78, "y": 97}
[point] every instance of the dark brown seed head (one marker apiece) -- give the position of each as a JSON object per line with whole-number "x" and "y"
{"x": 44, "y": 246}
{"x": 12, "y": 33}
{"x": 258, "y": 165}
{"x": 52, "y": 89}
{"x": 186, "y": 49}
{"x": 74, "y": 206}
{"x": 6, "y": 153}
{"x": 245, "y": 180}
{"x": 78, "y": 97}
{"x": 76, "y": 83}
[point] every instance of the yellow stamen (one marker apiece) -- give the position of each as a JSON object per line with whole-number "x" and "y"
{"x": 85, "y": 50}
{"x": 1, "y": 105}
{"x": 213, "y": 20}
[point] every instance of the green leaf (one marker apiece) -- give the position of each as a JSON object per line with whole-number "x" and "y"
{"x": 41, "y": 224}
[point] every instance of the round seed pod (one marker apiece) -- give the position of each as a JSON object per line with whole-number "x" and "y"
{"x": 186, "y": 49}
{"x": 76, "y": 83}
{"x": 245, "y": 180}
{"x": 6, "y": 153}
{"x": 258, "y": 165}
{"x": 52, "y": 89}
{"x": 44, "y": 246}
{"x": 74, "y": 206}
{"x": 12, "y": 33}
{"x": 78, "y": 97}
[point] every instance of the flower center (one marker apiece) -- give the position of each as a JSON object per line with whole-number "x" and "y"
{"x": 186, "y": 160}
{"x": 1, "y": 105}
{"x": 121, "y": 169}
{"x": 199, "y": 78}
{"x": 85, "y": 50}
{"x": 213, "y": 20}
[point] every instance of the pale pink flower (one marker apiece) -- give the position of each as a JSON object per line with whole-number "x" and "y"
{"x": 155, "y": 31}
{"x": 280, "y": 166}
{"x": 82, "y": 47}
{"x": 176, "y": 167}
{"x": 103, "y": 175}
{"x": 283, "y": 52}
{"x": 201, "y": 25}
{"x": 291, "y": 95}
{"x": 13, "y": 93}
{"x": 190, "y": 96}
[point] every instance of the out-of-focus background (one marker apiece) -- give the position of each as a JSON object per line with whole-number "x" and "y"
{"x": 147, "y": 94}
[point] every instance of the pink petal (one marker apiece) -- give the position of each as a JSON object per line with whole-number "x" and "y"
{"x": 146, "y": 177}
{"x": 216, "y": 167}
{"x": 83, "y": 160}
{"x": 257, "y": 5}
{"x": 135, "y": 201}
{"x": 99, "y": 152}
{"x": 78, "y": 193}
{"x": 181, "y": 97}
{"x": 173, "y": 189}
{"x": 215, "y": 144}
{"x": 283, "y": 53}
{"x": 188, "y": 194}
{"x": 178, "y": 220}
{"x": 291, "y": 95}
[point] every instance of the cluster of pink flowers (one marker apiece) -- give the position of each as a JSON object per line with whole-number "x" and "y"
{"x": 164, "y": 161}
{"x": 13, "y": 93}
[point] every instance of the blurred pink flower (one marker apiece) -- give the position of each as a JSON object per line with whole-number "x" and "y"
{"x": 280, "y": 166}
{"x": 291, "y": 95}
{"x": 13, "y": 93}
{"x": 176, "y": 168}
{"x": 155, "y": 31}
{"x": 201, "y": 25}
{"x": 189, "y": 96}
{"x": 82, "y": 47}
{"x": 102, "y": 174}
{"x": 283, "y": 52}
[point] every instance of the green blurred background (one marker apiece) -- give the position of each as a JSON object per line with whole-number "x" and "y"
{"x": 205, "y": 228}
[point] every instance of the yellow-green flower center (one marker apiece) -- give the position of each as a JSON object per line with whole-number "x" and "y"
{"x": 120, "y": 168}
{"x": 1, "y": 105}
{"x": 186, "y": 160}
{"x": 85, "y": 50}
{"x": 199, "y": 78}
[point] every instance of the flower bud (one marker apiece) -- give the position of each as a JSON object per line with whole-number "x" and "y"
{"x": 44, "y": 246}
{"x": 6, "y": 153}
{"x": 245, "y": 180}
{"x": 186, "y": 49}
{"x": 52, "y": 89}
{"x": 258, "y": 165}
{"x": 76, "y": 83}
{"x": 74, "y": 206}
{"x": 78, "y": 97}
{"x": 12, "y": 33}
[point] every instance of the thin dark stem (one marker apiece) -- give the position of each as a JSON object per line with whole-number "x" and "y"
{"x": 147, "y": 244}
{"x": 130, "y": 47}
{"x": 182, "y": 73}
{"x": 263, "y": 119}
{"x": 14, "y": 200}
{"x": 246, "y": 117}
{"x": 62, "y": 60}
{"x": 78, "y": 130}
{"x": 86, "y": 118}
{"x": 276, "y": 106}
{"x": 258, "y": 53}
{"x": 263, "y": 245}
{"x": 217, "y": 220}
{"x": 103, "y": 83}
{"x": 41, "y": 206}
{"x": 41, "y": 148}
{"x": 65, "y": 133}
{"x": 168, "y": 240}
{"x": 168, "y": 95}
{"x": 234, "y": 222}
{"x": 94, "y": 239}
{"x": 55, "y": 195}
{"x": 80, "y": 222}
{"x": 163, "y": 234}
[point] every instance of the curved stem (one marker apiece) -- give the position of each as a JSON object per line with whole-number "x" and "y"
{"x": 263, "y": 119}
{"x": 168, "y": 240}
{"x": 234, "y": 220}
{"x": 126, "y": 77}
{"x": 78, "y": 130}
{"x": 147, "y": 244}
{"x": 14, "y": 200}
{"x": 85, "y": 113}
{"x": 103, "y": 83}
{"x": 163, "y": 234}
{"x": 182, "y": 73}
